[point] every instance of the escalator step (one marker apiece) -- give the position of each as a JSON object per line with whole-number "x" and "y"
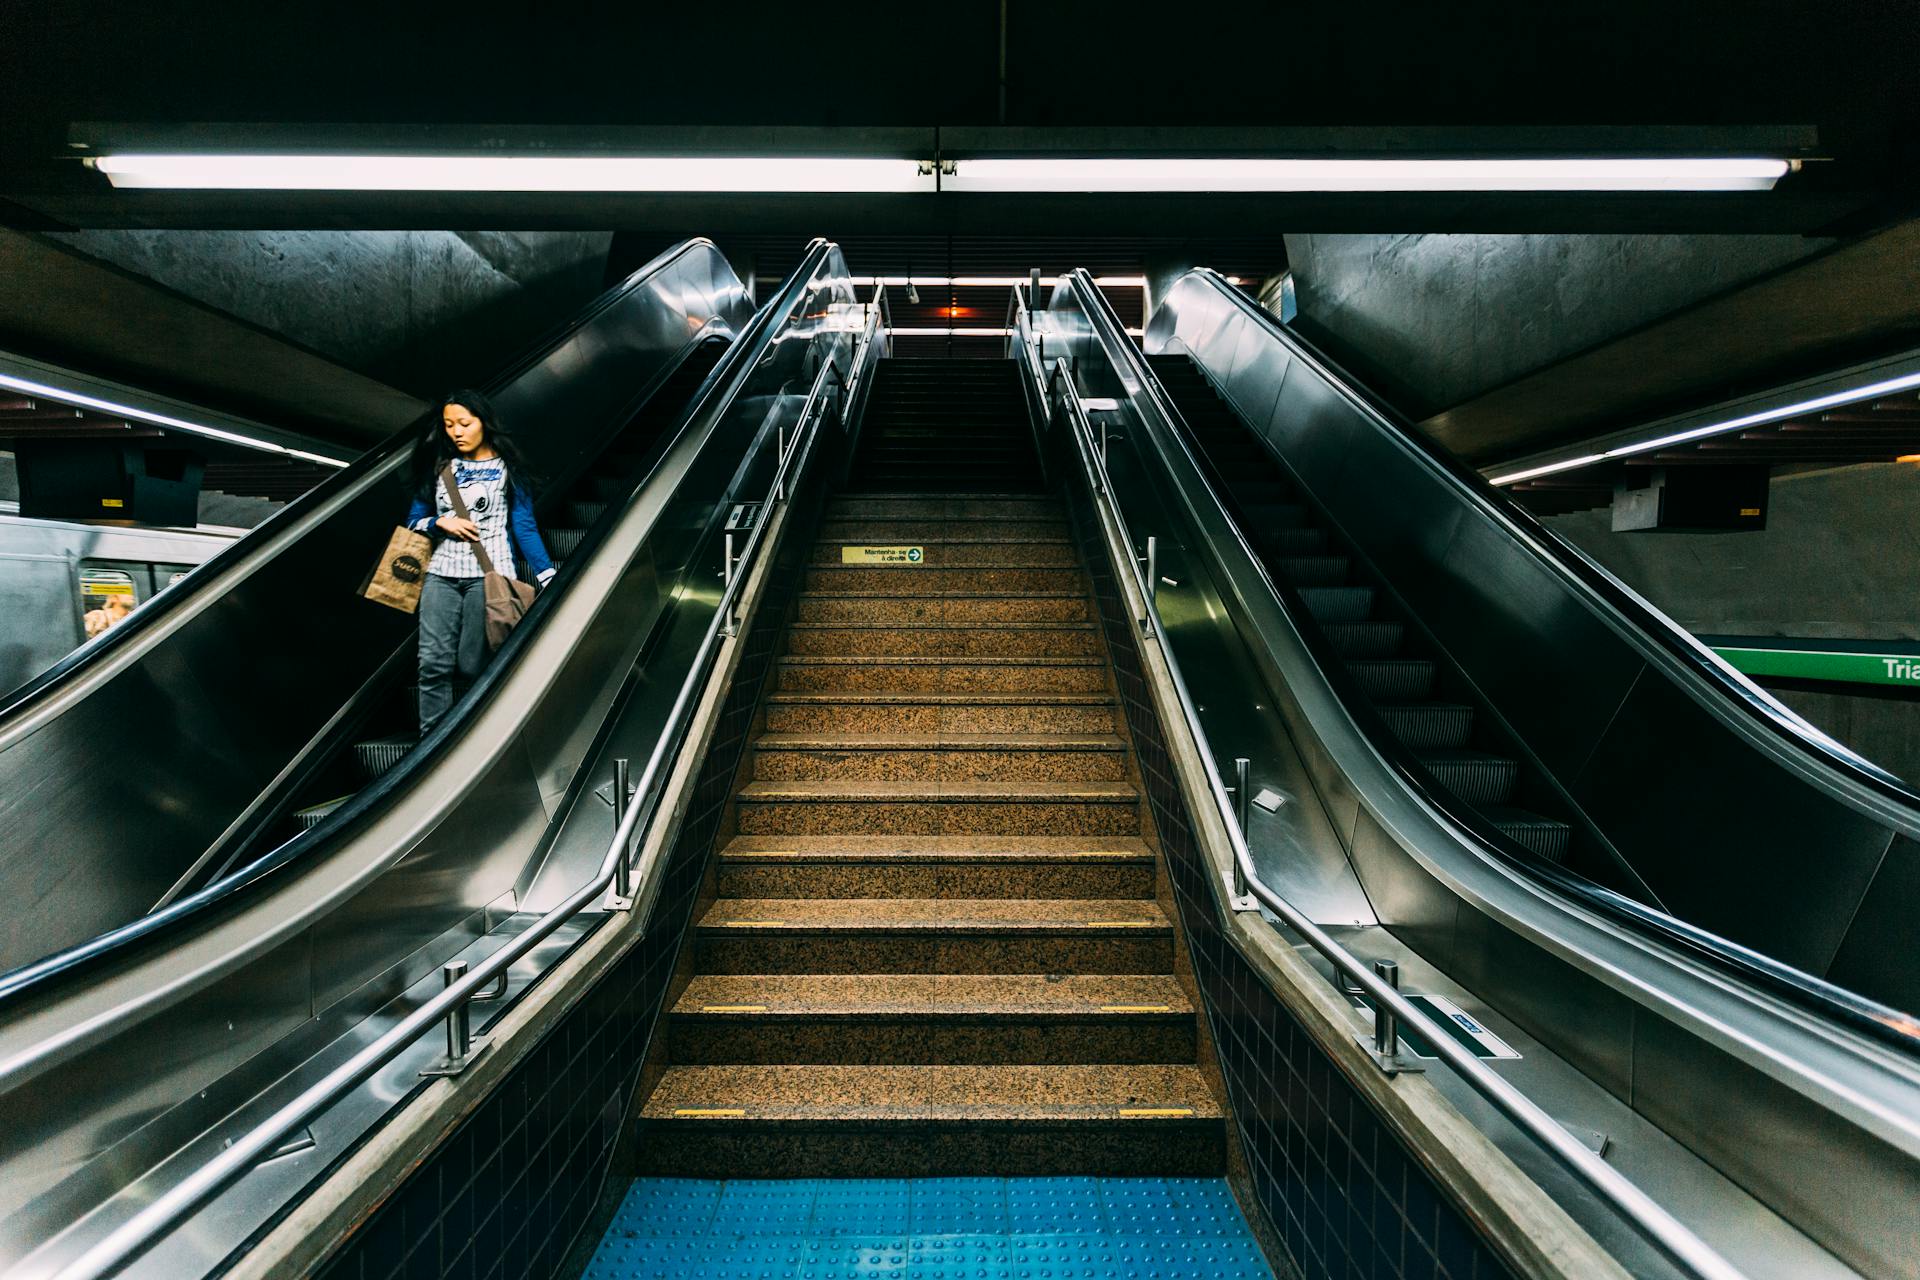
{"x": 563, "y": 541}
{"x": 1478, "y": 779}
{"x": 585, "y": 514}
{"x": 381, "y": 754}
{"x": 314, "y": 815}
{"x": 1430, "y": 726}
{"x": 1394, "y": 679}
{"x": 1338, "y": 604}
{"x": 1544, "y": 836}
{"x": 605, "y": 488}
{"x": 1296, "y": 542}
{"x": 1375, "y": 639}
{"x": 1315, "y": 571}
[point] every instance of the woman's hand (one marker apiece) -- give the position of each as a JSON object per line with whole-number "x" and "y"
{"x": 455, "y": 527}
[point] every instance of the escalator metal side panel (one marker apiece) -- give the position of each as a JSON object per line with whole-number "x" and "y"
{"x": 1663, "y": 1032}
{"x": 106, "y": 1075}
{"x": 1617, "y": 721}
{"x": 134, "y": 767}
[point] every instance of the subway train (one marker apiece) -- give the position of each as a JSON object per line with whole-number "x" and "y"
{"x": 67, "y": 581}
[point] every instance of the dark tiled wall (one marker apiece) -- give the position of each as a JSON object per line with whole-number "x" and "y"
{"x": 506, "y": 1195}
{"x": 1347, "y": 1197}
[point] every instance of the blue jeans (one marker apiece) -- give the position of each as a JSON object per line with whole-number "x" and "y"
{"x": 453, "y": 642}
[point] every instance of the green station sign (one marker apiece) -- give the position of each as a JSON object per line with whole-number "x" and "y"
{"x": 1874, "y": 662}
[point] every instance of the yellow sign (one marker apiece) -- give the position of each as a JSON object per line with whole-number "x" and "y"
{"x": 106, "y": 583}
{"x": 112, "y": 502}
{"x": 883, "y": 555}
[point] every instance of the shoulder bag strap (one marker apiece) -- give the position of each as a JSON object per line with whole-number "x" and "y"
{"x": 460, "y": 510}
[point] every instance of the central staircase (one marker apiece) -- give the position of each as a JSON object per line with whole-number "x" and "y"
{"x": 937, "y": 944}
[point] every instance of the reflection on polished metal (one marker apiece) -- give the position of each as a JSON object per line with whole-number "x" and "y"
{"x": 1077, "y": 309}
{"x": 622, "y": 797}
{"x": 459, "y": 1026}
{"x": 1242, "y": 798}
{"x": 110, "y": 1251}
{"x": 418, "y": 871}
{"x": 1649, "y": 1009}
{"x": 144, "y": 809}
{"x": 1386, "y": 1035}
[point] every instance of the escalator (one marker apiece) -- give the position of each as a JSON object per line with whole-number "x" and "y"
{"x": 123, "y": 1066}
{"x": 1543, "y": 700}
{"x": 177, "y": 747}
{"x": 566, "y": 521}
{"x": 1465, "y": 752}
{"x": 1421, "y": 699}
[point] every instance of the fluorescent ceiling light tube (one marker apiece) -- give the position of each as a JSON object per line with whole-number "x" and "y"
{"x": 976, "y": 333}
{"x": 1852, "y": 396}
{"x": 513, "y": 173}
{"x": 42, "y": 390}
{"x": 1700, "y": 173}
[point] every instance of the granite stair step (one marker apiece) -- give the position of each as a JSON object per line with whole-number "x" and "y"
{"x": 937, "y": 808}
{"x": 933, "y": 640}
{"x": 915, "y": 529}
{"x": 955, "y": 552}
{"x": 936, "y": 713}
{"x": 810, "y": 673}
{"x": 934, "y": 935}
{"x": 1005, "y": 757}
{"x": 897, "y": 1121}
{"x": 956, "y": 607}
{"x": 1008, "y": 578}
{"x": 787, "y": 866}
{"x": 932, "y": 1019}
{"x": 922, "y": 506}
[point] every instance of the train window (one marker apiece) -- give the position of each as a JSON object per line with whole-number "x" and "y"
{"x": 165, "y": 575}
{"x": 107, "y": 596}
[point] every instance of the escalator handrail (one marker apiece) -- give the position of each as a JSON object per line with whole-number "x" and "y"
{"x": 166, "y": 1211}
{"x": 1816, "y": 995}
{"x": 1606, "y": 592}
{"x": 273, "y": 534}
{"x": 1664, "y": 1231}
{"x": 716, "y": 394}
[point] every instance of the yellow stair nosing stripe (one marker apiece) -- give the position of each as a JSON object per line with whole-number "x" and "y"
{"x": 709, "y": 1113}
{"x": 733, "y": 1008}
{"x": 1135, "y": 1113}
{"x": 1136, "y": 1008}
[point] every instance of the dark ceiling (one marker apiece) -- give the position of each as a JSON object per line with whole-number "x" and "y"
{"x": 1847, "y": 70}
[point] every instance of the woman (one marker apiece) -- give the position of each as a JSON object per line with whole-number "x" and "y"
{"x": 497, "y": 490}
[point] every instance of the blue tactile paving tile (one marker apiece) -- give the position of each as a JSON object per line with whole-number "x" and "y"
{"x": 929, "y": 1229}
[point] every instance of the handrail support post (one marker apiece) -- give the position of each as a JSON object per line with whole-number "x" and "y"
{"x": 621, "y": 896}
{"x": 1240, "y": 895}
{"x": 462, "y": 1046}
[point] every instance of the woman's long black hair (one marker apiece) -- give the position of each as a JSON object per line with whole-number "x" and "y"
{"x": 432, "y": 450}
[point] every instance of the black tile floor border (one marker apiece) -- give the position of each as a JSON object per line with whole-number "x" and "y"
{"x": 507, "y": 1193}
{"x": 1346, "y": 1196}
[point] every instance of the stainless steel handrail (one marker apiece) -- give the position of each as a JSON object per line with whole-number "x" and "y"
{"x": 1664, "y": 1231}
{"x": 145, "y": 1228}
